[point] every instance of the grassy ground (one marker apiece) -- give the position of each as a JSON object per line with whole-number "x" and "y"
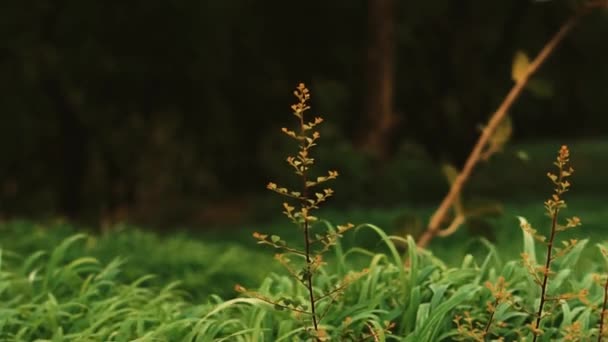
{"x": 593, "y": 211}
{"x": 55, "y": 296}
{"x": 212, "y": 262}
{"x": 62, "y": 293}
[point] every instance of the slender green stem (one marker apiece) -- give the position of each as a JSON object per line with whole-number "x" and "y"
{"x": 486, "y": 330}
{"x": 274, "y": 303}
{"x": 307, "y": 241}
{"x": 309, "y": 276}
{"x": 603, "y": 313}
{"x": 546, "y": 270}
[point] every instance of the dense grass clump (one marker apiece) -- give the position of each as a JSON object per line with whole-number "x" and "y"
{"x": 45, "y": 295}
{"x": 48, "y": 295}
{"x": 203, "y": 265}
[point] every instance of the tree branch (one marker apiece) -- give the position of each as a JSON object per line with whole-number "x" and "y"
{"x": 440, "y": 214}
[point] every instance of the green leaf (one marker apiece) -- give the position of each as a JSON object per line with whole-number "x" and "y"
{"x": 540, "y": 88}
{"x": 522, "y": 155}
{"x": 521, "y": 63}
{"x": 571, "y": 258}
{"x": 58, "y": 255}
{"x": 422, "y": 314}
{"x": 567, "y": 315}
{"x": 409, "y": 316}
{"x": 557, "y": 281}
{"x": 603, "y": 252}
{"x": 450, "y": 172}
{"x": 502, "y": 134}
{"x": 438, "y": 294}
{"x": 432, "y": 325}
{"x": 504, "y": 312}
{"x": 529, "y": 245}
{"x": 275, "y": 238}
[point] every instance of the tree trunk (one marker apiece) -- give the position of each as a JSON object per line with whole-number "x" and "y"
{"x": 380, "y": 117}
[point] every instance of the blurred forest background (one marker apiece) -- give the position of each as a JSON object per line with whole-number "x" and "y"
{"x": 169, "y": 112}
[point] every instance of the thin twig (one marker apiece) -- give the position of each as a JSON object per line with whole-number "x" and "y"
{"x": 277, "y": 304}
{"x": 546, "y": 271}
{"x": 486, "y": 330}
{"x": 341, "y": 287}
{"x": 458, "y": 221}
{"x": 285, "y": 248}
{"x": 307, "y": 243}
{"x": 603, "y": 313}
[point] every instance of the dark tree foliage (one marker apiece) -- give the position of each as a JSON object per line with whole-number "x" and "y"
{"x": 148, "y": 107}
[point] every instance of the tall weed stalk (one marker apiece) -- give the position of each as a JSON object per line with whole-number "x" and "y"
{"x": 304, "y": 261}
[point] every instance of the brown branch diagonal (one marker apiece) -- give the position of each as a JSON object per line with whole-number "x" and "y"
{"x": 435, "y": 223}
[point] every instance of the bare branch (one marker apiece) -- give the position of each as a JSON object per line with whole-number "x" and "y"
{"x": 438, "y": 217}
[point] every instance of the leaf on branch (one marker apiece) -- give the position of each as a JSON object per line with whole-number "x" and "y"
{"x": 260, "y": 237}
{"x": 289, "y": 133}
{"x": 345, "y": 227}
{"x": 540, "y": 88}
{"x": 501, "y": 135}
{"x": 522, "y": 155}
{"x": 451, "y": 173}
{"x": 527, "y": 227}
{"x": 289, "y": 209}
{"x": 521, "y": 63}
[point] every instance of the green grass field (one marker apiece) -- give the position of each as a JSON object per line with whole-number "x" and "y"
{"x": 212, "y": 262}
{"x": 131, "y": 283}
{"x": 525, "y": 181}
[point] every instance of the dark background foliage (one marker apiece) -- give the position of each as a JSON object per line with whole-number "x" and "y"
{"x": 169, "y": 111}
